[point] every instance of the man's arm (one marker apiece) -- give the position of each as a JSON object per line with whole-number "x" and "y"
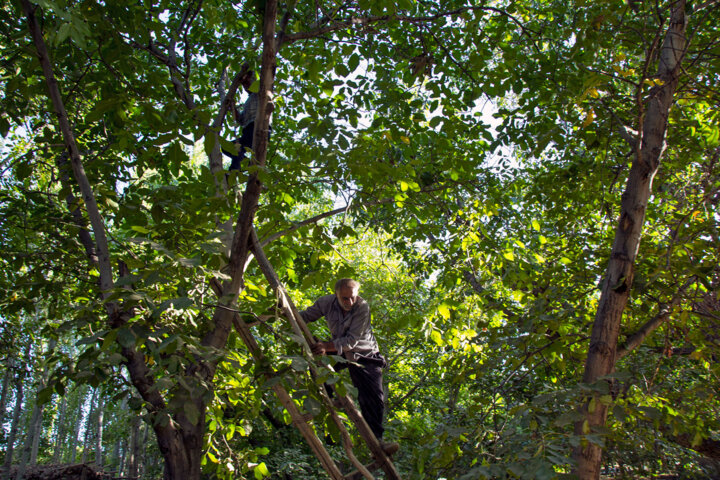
{"x": 314, "y": 311}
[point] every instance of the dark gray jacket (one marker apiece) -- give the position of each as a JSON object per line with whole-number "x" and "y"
{"x": 351, "y": 331}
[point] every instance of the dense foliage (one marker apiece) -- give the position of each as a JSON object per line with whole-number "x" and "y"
{"x": 464, "y": 160}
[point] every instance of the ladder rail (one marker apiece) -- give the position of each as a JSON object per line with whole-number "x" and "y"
{"x": 285, "y": 399}
{"x": 300, "y": 328}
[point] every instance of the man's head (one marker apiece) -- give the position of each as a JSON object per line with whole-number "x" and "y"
{"x": 247, "y": 80}
{"x": 346, "y": 290}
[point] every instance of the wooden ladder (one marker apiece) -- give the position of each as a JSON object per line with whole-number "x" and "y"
{"x": 300, "y": 420}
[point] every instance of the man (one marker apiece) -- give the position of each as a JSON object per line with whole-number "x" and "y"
{"x": 246, "y": 120}
{"x": 348, "y": 317}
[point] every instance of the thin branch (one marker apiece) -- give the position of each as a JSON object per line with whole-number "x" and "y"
{"x": 280, "y": 37}
{"x": 636, "y": 339}
{"x": 367, "y": 21}
{"x": 265, "y": 241}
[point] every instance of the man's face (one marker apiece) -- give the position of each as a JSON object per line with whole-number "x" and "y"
{"x": 347, "y": 297}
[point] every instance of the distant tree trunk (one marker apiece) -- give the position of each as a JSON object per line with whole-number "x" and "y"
{"x": 77, "y": 415}
{"x": 117, "y": 458}
{"x": 118, "y": 451}
{"x": 617, "y": 284}
{"x": 134, "y": 448}
{"x": 37, "y": 433}
{"x": 142, "y": 453}
{"x": 7, "y": 378}
{"x": 60, "y": 434}
{"x": 72, "y": 448}
{"x": 88, "y": 427}
{"x": 99, "y": 432}
{"x": 33, "y": 432}
{"x": 14, "y": 425}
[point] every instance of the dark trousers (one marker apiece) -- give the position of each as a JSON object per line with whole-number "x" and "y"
{"x": 245, "y": 141}
{"x": 371, "y": 396}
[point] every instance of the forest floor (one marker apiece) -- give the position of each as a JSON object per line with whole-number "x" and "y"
{"x": 77, "y": 471}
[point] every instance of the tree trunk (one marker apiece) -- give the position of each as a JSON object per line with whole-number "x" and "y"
{"x": 60, "y": 434}
{"x": 99, "y": 433}
{"x": 14, "y": 425}
{"x": 32, "y": 438}
{"x": 33, "y": 433}
{"x": 618, "y": 279}
{"x": 121, "y": 449}
{"x": 7, "y": 378}
{"x": 77, "y": 416}
{"x": 143, "y": 459}
{"x": 133, "y": 452}
{"x": 88, "y": 427}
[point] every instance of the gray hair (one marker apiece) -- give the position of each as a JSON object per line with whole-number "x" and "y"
{"x": 347, "y": 282}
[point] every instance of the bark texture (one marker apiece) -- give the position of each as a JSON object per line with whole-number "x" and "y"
{"x": 602, "y": 353}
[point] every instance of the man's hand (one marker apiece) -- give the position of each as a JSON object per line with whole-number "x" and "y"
{"x": 323, "y": 348}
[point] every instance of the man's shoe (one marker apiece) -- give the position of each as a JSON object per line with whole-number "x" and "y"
{"x": 389, "y": 447}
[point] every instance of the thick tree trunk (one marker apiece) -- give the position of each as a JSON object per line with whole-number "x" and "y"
{"x": 618, "y": 279}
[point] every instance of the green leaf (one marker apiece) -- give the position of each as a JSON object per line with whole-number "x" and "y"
{"x": 23, "y": 170}
{"x": 45, "y": 395}
{"x": 261, "y": 471}
{"x": 209, "y": 143}
{"x": 437, "y": 338}
{"x": 299, "y": 364}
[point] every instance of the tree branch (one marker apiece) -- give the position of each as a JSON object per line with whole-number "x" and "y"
{"x": 309, "y": 221}
{"x": 240, "y": 244}
{"x": 636, "y": 339}
{"x": 98, "y": 226}
{"x": 138, "y": 369}
{"x": 367, "y": 21}
{"x": 228, "y": 292}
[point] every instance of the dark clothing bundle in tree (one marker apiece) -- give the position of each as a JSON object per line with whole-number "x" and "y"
{"x": 246, "y": 119}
